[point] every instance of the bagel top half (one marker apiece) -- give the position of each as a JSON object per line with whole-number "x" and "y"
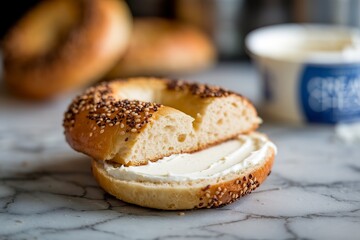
{"x": 138, "y": 120}
{"x": 61, "y": 45}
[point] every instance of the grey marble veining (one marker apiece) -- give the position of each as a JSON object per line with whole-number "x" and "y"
{"x": 48, "y": 192}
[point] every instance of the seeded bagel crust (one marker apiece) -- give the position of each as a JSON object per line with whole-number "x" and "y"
{"x": 138, "y": 120}
{"x": 186, "y": 195}
{"x": 64, "y": 44}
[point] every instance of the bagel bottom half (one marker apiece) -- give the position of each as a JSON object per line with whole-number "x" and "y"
{"x": 174, "y": 195}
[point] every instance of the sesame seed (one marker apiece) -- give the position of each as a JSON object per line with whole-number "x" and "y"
{"x": 181, "y": 213}
{"x": 206, "y": 188}
{"x": 90, "y": 134}
{"x": 102, "y": 131}
{"x": 105, "y": 110}
{"x": 201, "y": 90}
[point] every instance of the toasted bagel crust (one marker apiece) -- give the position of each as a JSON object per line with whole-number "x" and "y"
{"x": 64, "y": 44}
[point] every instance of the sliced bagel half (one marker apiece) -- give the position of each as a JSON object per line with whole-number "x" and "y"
{"x": 139, "y": 120}
{"x": 209, "y": 178}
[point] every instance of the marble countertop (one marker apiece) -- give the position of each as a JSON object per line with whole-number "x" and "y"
{"x": 48, "y": 192}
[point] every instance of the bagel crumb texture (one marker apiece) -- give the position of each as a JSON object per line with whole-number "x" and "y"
{"x": 106, "y": 111}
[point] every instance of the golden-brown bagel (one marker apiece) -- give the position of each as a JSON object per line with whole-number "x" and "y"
{"x": 161, "y": 47}
{"x": 64, "y": 44}
{"x": 190, "y": 194}
{"x": 144, "y": 119}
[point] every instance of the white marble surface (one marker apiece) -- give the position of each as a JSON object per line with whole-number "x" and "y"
{"x": 48, "y": 192}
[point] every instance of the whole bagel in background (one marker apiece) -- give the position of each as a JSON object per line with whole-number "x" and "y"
{"x": 64, "y": 44}
{"x": 161, "y": 47}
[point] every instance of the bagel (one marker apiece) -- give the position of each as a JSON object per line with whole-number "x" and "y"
{"x": 64, "y": 44}
{"x": 139, "y": 120}
{"x": 194, "y": 182}
{"x": 161, "y": 47}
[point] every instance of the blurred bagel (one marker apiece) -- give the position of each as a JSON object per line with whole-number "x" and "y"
{"x": 161, "y": 47}
{"x": 64, "y": 44}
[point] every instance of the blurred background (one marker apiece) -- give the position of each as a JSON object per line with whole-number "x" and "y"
{"x": 226, "y": 21}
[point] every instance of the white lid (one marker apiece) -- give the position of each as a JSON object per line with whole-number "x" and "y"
{"x": 315, "y": 43}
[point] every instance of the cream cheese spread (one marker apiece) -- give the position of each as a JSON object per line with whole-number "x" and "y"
{"x": 229, "y": 157}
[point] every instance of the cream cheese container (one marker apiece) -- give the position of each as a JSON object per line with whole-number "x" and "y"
{"x": 310, "y": 72}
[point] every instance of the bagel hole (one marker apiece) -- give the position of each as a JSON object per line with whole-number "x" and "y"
{"x": 181, "y": 137}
